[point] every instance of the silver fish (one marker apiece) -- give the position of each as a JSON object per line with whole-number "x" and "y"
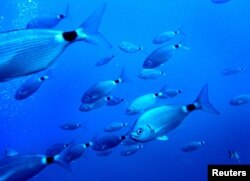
{"x": 24, "y": 167}
{"x": 193, "y": 146}
{"x": 130, "y": 150}
{"x": 157, "y": 122}
{"x": 240, "y": 99}
{"x": 27, "y": 51}
{"x": 115, "y": 126}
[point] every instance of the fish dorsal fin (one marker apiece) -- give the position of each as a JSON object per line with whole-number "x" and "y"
{"x": 162, "y": 138}
{"x": 10, "y": 152}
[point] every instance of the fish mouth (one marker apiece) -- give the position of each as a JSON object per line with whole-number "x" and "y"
{"x": 133, "y": 136}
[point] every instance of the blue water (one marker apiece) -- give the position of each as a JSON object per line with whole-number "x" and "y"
{"x": 217, "y": 36}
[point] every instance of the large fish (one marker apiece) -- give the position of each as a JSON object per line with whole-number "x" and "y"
{"x": 24, "y": 167}
{"x": 157, "y": 122}
{"x": 27, "y": 51}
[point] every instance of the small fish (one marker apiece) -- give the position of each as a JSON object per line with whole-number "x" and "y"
{"x": 170, "y": 92}
{"x": 23, "y": 167}
{"x": 160, "y": 56}
{"x": 70, "y": 126}
{"x": 48, "y": 21}
{"x": 104, "y": 60}
{"x": 56, "y": 149}
{"x": 130, "y": 150}
{"x": 193, "y": 146}
{"x": 30, "y": 86}
{"x": 129, "y": 47}
{"x": 232, "y": 71}
{"x": 157, "y": 122}
{"x": 104, "y": 153}
{"x": 102, "y": 89}
{"x": 145, "y": 102}
{"x": 240, "y": 99}
{"x": 108, "y": 101}
{"x": 113, "y": 101}
{"x": 28, "y": 51}
{"x": 129, "y": 141}
{"x": 234, "y": 155}
{"x": 115, "y": 126}
{"x": 166, "y": 36}
{"x": 151, "y": 74}
{"x": 220, "y": 1}
{"x": 76, "y": 151}
{"x": 86, "y": 107}
{"x": 106, "y": 142}
{"x": 10, "y": 152}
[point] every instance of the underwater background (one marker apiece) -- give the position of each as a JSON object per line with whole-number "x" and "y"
{"x": 217, "y": 36}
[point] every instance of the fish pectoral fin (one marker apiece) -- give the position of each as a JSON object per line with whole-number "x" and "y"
{"x": 162, "y": 138}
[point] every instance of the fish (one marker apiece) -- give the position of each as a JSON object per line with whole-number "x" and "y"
{"x": 145, "y": 102}
{"x": 104, "y": 153}
{"x": 108, "y": 101}
{"x": 49, "y": 21}
{"x": 234, "y": 155}
{"x": 106, "y": 142}
{"x": 56, "y": 149}
{"x": 115, "y": 126}
{"x": 156, "y": 123}
{"x": 130, "y": 150}
{"x": 70, "y": 126}
{"x": 147, "y": 74}
{"x": 129, "y": 47}
{"x": 166, "y": 36}
{"x": 102, "y": 89}
{"x": 128, "y": 141}
{"x": 232, "y": 71}
{"x": 113, "y": 100}
{"x": 28, "y": 51}
{"x": 220, "y": 1}
{"x": 76, "y": 151}
{"x": 30, "y": 86}
{"x": 23, "y": 167}
{"x": 104, "y": 60}
{"x": 192, "y": 146}
{"x": 160, "y": 56}
{"x": 240, "y": 100}
{"x": 86, "y": 107}
{"x": 170, "y": 92}
{"x": 10, "y": 152}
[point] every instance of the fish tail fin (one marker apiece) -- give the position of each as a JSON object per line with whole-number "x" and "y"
{"x": 67, "y": 12}
{"x": 90, "y": 28}
{"x": 163, "y": 93}
{"x": 230, "y": 154}
{"x": 202, "y": 101}
{"x": 62, "y": 158}
{"x": 124, "y": 77}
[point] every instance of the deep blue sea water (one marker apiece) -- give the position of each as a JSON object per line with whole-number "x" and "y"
{"x": 217, "y": 36}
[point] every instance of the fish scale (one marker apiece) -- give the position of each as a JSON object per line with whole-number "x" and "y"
{"x": 29, "y": 53}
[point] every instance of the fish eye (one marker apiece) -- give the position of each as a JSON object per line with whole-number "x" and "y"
{"x": 139, "y": 131}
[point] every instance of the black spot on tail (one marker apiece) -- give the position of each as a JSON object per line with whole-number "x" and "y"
{"x": 61, "y": 16}
{"x": 123, "y": 137}
{"x": 70, "y": 35}
{"x": 87, "y": 145}
{"x": 117, "y": 81}
{"x": 191, "y": 107}
{"x": 50, "y": 160}
{"x": 42, "y": 78}
{"x": 177, "y": 46}
{"x": 156, "y": 94}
